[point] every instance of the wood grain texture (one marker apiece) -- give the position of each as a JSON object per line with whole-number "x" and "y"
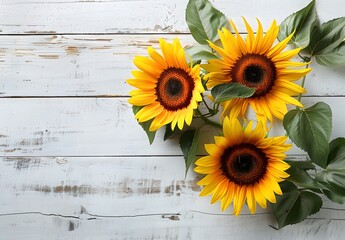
{"x": 98, "y": 127}
{"x": 94, "y": 65}
{"x": 96, "y": 198}
{"x": 74, "y": 164}
{"x": 148, "y": 16}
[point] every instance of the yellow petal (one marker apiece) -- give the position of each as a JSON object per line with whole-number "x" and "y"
{"x": 157, "y": 57}
{"x": 212, "y": 187}
{"x": 221, "y": 141}
{"x": 279, "y": 47}
{"x": 279, "y": 165}
{"x": 167, "y": 118}
{"x": 208, "y": 161}
{"x": 149, "y": 112}
{"x": 285, "y": 56}
{"x": 221, "y": 190}
{"x": 216, "y": 65}
{"x": 273, "y": 183}
{"x": 279, "y": 140}
{"x": 249, "y": 128}
{"x": 293, "y": 75}
{"x": 175, "y": 120}
{"x": 276, "y": 106}
{"x": 142, "y": 84}
{"x": 266, "y": 109}
{"x": 241, "y": 44}
{"x": 270, "y": 37}
{"x": 229, "y": 196}
{"x": 250, "y": 37}
{"x": 251, "y": 199}
{"x": 230, "y": 44}
{"x": 210, "y": 178}
{"x": 266, "y": 190}
{"x": 259, "y": 197}
{"x": 168, "y": 53}
{"x": 159, "y": 121}
{"x": 181, "y": 119}
{"x": 181, "y": 58}
{"x": 148, "y": 66}
{"x": 232, "y": 129}
{"x": 278, "y": 174}
{"x": 214, "y": 150}
{"x": 142, "y": 100}
{"x": 239, "y": 199}
{"x": 142, "y": 75}
{"x": 286, "y": 98}
{"x": 289, "y": 85}
{"x": 179, "y": 55}
{"x": 259, "y": 39}
{"x": 189, "y": 116}
{"x": 287, "y": 64}
{"x": 236, "y": 107}
{"x": 197, "y": 95}
{"x": 206, "y": 170}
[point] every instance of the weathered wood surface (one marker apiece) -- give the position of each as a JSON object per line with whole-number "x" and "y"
{"x": 97, "y": 127}
{"x": 128, "y": 16}
{"x": 73, "y": 162}
{"x": 93, "y": 65}
{"x": 130, "y": 198}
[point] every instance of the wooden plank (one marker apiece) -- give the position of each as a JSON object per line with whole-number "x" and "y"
{"x": 74, "y": 162}
{"x": 97, "y": 127}
{"x": 193, "y": 226}
{"x": 149, "y": 16}
{"x": 99, "y": 65}
{"x": 130, "y": 198}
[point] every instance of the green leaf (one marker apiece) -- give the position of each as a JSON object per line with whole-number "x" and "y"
{"x": 227, "y": 91}
{"x": 204, "y": 20}
{"x": 336, "y": 150}
{"x": 334, "y": 191}
{"x": 302, "y": 22}
{"x": 335, "y": 197}
{"x": 294, "y": 206}
{"x": 334, "y": 57}
{"x": 304, "y": 165}
{"x": 327, "y": 37}
{"x": 301, "y": 178}
{"x": 199, "y": 53}
{"x": 310, "y": 129}
{"x": 334, "y": 175}
{"x": 145, "y": 125}
{"x": 189, "y": 142}
{"x": 168, "y": 132}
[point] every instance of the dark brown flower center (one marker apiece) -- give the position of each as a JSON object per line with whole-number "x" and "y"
{"x": 244, "y": 164}
{"x": 174, "y": 89}
{"x": 255, "y": 70}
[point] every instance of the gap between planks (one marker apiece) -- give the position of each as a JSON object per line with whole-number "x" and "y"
{"x": 127, "y": 96}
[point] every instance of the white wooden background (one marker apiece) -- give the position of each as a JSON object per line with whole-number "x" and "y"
{"x": 74, "y": 163}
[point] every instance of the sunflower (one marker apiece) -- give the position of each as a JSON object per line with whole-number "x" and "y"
{"x": 256, "y": 63}
{"x": 168, "y": 89}
{"x": 243, "y": 165}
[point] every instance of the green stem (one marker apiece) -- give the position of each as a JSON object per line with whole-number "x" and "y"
{"x": 203, "y": 99}
{"x": 215, "y": 108}
{"x": 208, "y": 121}
{"x": 212, "y": 123}
{"x": 302, "y": 85}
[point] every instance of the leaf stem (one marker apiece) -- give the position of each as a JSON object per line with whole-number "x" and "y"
{"x": 203, "y": 100}
{"x": 212, "y": 123}
{"x": 302, "y": 85}
{"x": 208, "y": 121}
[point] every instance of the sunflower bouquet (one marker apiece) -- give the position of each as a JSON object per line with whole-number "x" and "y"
{"x": 244, "y": 86}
